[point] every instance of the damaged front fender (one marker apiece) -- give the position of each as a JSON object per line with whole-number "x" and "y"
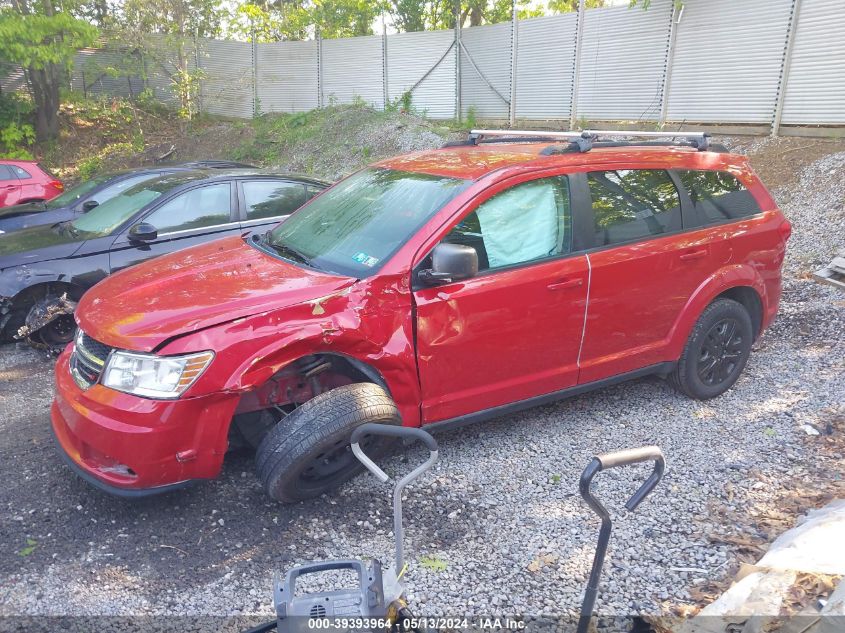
{"x": 47, "y": 313}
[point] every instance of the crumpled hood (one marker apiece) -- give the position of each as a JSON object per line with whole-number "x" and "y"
{"x": 143, "y": 306}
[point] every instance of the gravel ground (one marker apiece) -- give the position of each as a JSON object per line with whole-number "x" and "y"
{"x": 497, "y": 526}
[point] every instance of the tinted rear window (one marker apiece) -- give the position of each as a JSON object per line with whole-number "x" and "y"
{"x": 632, "y": 204}
{"x": 718, "y": 196}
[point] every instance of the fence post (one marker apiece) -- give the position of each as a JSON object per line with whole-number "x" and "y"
{"x": 458, "y": 45}
{"x": 785, "y": 66}
{"x": 670, "y": 56}
{"x": 198, "y": 69}
{"x": 576, "y": 73}
{"x": 384, "y": 61}
{"x": 514, "y": 44}
{"x": 255, "y": 104}
{"x": 319, "y": 69}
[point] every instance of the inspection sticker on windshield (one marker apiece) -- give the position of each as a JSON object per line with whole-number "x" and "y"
{"x": 366, "y": 260}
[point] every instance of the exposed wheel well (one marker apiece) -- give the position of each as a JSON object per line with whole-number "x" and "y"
{"x": 751, "y": 301}
{"x": 24, "y": 300}
{"x": 297, "y": 383}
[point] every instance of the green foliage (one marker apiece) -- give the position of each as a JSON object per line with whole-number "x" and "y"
{"x": 186, "y": 86}
{"x": 569, "y": 6}
{"x": 31, "y": 544}
{"x": 16, "y": 131}
{"x": 296, "y": 19}
{"x": 407, "y": 98}
{"x": 470, "y": 118}
{"x": 87, "y": 167}
{"x": 412, "y": 15}
{"x": 434, "y": 563}
{"x": 36, "y": 40}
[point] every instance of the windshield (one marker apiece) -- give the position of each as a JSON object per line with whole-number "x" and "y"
{"x": 355, "y": 226}
{"x": 109, "y": 215}
{"x": 70, "y": 196}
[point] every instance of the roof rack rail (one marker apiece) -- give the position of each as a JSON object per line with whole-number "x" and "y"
{"x": 585, "y": 140}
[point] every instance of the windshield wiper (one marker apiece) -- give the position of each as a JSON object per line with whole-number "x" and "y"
{"x": 285, "y": 251}
{"x": 67, "y": 227}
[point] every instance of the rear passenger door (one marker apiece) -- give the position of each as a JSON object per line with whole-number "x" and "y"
{"x": 10, "y": 187}
{"x": 189, "y": 218}
{"x": 643, "y": 266}
{"x": 266, "y": 202}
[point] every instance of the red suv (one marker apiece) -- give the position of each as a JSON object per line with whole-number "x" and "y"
{"x": 437, "y": 288}
{"x": 26, "y": 181}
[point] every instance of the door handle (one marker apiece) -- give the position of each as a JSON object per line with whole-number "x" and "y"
{"x": 566, "y": 283}
{"x": 691, "y": 255}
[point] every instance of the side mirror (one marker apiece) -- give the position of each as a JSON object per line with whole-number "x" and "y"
{"x": 143, "y": 232}
{"x": 88, "y": 205}
{"x": 450, "y": 262}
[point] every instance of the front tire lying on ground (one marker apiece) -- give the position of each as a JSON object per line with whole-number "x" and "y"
{"x": 716, "y": 351}
{"x": 307, "y": 453}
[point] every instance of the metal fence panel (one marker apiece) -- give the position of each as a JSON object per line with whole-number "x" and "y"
{"x": 106, "y": 72}
{"x": 162, "y": 69}
{"x": 623, "y": 62}
{"x": 409, "y": 57}
{"x": 287, "y": 76}
{"x": 490, "y": 49}
{"x": 227, "y": 87}
{"x": 353, "y": 68}
{"x": 544, "y": 67}
{"x": 727, "y": 60}
{"x": 815, "y": 90}
{"x": 12, "y": 78}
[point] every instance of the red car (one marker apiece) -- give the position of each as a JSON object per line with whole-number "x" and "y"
{"x": 437, "y": 288}
{"x": 24, "y": 181}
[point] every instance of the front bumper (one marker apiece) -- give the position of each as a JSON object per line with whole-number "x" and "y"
{"x": 134, "y": 446}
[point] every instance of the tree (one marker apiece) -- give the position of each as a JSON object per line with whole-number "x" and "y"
{"x": 568, "y": 6}
{"x": 164, "y": 34}
{"x": 277, "y": 20}
{"x": 43, "y": 41}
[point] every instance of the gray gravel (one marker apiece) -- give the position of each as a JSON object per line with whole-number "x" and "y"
{"x": 496, "y": 527}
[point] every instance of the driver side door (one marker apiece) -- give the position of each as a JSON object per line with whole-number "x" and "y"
{"x": 192, "y": 217}
{"x": 513, "y": 331}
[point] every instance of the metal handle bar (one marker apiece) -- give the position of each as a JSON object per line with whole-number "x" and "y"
{"x": 408, "y": 432}
{"x": 625, "y": 458}
{"x": 596, "y": 465}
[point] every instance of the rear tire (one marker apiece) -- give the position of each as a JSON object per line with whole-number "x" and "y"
{"x": 307, "y": 453}
{"x": 716, "y": 351}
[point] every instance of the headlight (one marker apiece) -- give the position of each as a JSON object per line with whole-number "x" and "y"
{"x": 154, "y": 376}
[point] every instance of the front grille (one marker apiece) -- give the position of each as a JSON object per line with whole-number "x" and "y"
{"x": 94, "y": 348}
{"x": 88, "y": 360}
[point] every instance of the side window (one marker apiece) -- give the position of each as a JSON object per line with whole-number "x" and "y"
{"x": 270, "y": 199}
{"x": 526, "y": 222}
{"x": 6, "y": 173}
{"x": 718, "y": 196}
{"x": 20, "y": 172}
{"x": 194, "y": 209}
{"x": 630, "y": 204}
